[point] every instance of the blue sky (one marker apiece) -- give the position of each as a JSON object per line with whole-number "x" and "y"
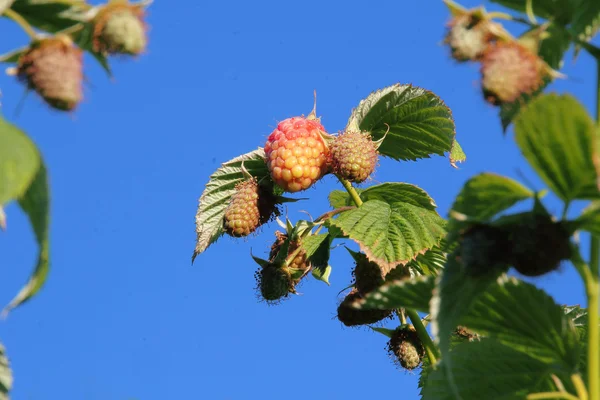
{"x": 124, "y": 315}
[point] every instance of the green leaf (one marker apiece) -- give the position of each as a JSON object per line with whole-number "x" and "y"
{"x": 558, "y": 138}
{"x": 586, "y": 21}
{"x": 312, "y": 243}
{"x": 457, "y": 154}
{"x": 525, "y": 318}
{"x": 390, "y": 192}
{"x": 6, "y": 378}
{"x": 52, "y": 16}
{"x": 218, "y": 192}
{"x": 420, "y": 124}
{"x": 317, "y": 249}
{"x": 429, "y": 263}
{"x": 339, "y": 199}
{"x": 391, "y": 234}
{"x": 485, "y": 195}
{"x": 414, "y": 293}
{"x": 36, "y": 204}
{"x": 322, "y": 274}
{"x": 13, "y": 56}
{"x": 487, "y": 370}
{"x": 509, "y": 111}
{"x": 19, "y": 162}
{"x": 589, "y": 220}
{"x": 384, "y": 331}
{"x": 553, "y": 48}
{"x": 454, "y": 295}
{"x": 562, "y": 11}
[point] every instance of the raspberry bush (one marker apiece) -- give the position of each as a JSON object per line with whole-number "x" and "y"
{"x": 491, "y": 334}
{"x": 52, "y": 66}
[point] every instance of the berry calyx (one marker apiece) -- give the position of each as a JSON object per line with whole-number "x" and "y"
{"x": 353, "y": 156}
{"x": 350, "y": 316}
{"x": 53, "y": 67}
{"x": 296, "y": 153}
{"x": 119, "y": 28}
{"x": 249, "y": 207}
{"x": 510, "y": 70}
{"x": 405, "y": 347}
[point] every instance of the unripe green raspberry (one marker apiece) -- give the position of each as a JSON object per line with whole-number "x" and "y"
{"x": 405, "y": 347}
{"x": 119, "y": 28}
{"x": 353, "y": 156}
{"x": 274, "y": 283}
{"x": 53, "y": 67}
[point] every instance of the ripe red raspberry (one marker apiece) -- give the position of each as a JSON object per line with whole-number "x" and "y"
{"x": 405, "y": 347}
{"x": 510, "y": 70}
{"x": 250, "y": 207}
{"x": 353, "y": 156}
{"x": 53, "y": 67}
{"x": 296, "y": 153}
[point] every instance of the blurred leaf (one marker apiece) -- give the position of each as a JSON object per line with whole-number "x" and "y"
{"x": 52, "y": 16}
{"x": 414, "y": 293}
{"x": 322, "y": 274}
{"x": 19, "y": 162}
{"x": 562, "y": 11}
{"x": 429, "y": 263}
{"x": 558, "y": 138}
{"x": 553, "y": 48}
{"x": 384, "y": 331}
{"x": 391, "y": 233}
{"x": 36, "y": 204}
{"x": 509, "y": 111}
{"x": 6, "y": 378}
{"x": 420, "y": 124}
{"x": 485, "y": 195}
{"x": 527, "y": 319}
{"x": 487, "y": 370}
{"x": 589, "y": 220}
{"x": 586, "y": 22}
{"x": 218, "y": 192}
{"x": 84, "y": 39}
{"x": 13, "y": 56}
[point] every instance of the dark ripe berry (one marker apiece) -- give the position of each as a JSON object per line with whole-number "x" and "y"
{"x": 249, "y": 207}
{"x": 350, "y": 316}
{"x": 468, "y": 36}
{"x": 508, "y": 71}
{"x": 539, "y": 245}
{"x": 398, "y": 273}
{"x": 483, "y": 248}
{"x": 367, "y": 276}
{"x": 119, "y": 28}
{"x": 53, "y": 67}
{"x": 353, "y": 156}
{"x": 274, "y": 283}
{"x": 405, "y": 347}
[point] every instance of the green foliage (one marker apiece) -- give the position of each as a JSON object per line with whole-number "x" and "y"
{"x": 6, "y": 378}
{"x": 419, "y": 123}
{"x": 558, "y": 138}
{"x": 409, "y": 293}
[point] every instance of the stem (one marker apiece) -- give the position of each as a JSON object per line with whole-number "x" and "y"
{"x": 565, "y": 210}
{"x": 430, "y": 348}
{"x": 351, "y": 191}
{"x": 22, "y": 22}
{"x": 579, "y": 386}
{"x": 552, "y": 395}
{"x": 593, "y": 289}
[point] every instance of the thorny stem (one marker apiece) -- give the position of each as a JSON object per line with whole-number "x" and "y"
{"x": 430, "y": 348}
{"x": 592, "y": 286}
{"x": 21, "y": 22}
{"x": 552, "y": 395}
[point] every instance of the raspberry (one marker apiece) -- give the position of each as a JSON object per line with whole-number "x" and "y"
{"x": 299, "y": 262}
{"x": 296, "y": 153}
{"x": 510, "y": 70}
{"x": 405, "y": 347}
{"x": 468, "y": 36}
{"x": 353, "y": 156}
{"x": 539, "y": 245}
{"x": 53, "y": 68}
{"x": 119, "y": 28}
{"x": 249, "y": 207}
{"x": 351, "y": 316}
{"x": 367, "y": 276}
{"x": 483, "y": 248}
{"x": 274, "y": 283}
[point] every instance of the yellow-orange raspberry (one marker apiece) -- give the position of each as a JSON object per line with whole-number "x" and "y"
{"x": 296, "y": 153}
